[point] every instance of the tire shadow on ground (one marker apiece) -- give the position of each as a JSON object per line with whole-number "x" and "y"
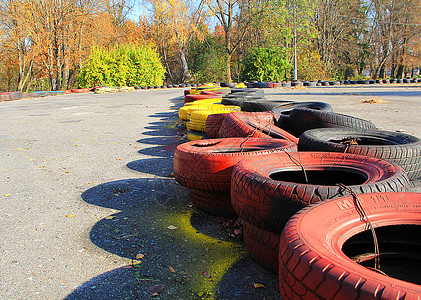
{"x": 168, "y": 242}
{"x": 181, "y": 248}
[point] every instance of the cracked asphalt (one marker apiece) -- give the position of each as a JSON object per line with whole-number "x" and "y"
{"x": 90, "y": 209}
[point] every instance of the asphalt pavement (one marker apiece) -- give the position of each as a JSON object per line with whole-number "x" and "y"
{"x": 90, "y": 208}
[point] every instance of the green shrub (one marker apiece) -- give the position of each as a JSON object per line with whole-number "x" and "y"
{"x": 311, "y": 67}
{"x": 265, "y": 64}
{"x": 207, "y": 59}
{"x": 131, "y": 65}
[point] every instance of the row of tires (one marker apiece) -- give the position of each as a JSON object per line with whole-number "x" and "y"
{"x": 10, "y": 96}
{"x": 279, "y": 84}
{"x": 306, "y": 182}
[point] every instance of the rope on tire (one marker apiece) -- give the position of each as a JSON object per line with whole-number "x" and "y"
{"x": 260, "y": 122}
{"x": 369, "y": 225}
{"x": 298, "y": 163}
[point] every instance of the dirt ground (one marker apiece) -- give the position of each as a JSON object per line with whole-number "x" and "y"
{"x": 90, "y": 208}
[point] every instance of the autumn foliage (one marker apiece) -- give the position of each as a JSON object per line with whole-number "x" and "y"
{"x": 48, "y": 44}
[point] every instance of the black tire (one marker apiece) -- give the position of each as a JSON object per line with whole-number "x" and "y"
{"x": 310, "y": 83}
{"x": 247, "y": 91}
{"x": 236, "y": 102}
{"x": 399, "y": 148}
{"x": 227, "y": 84}
{"x": 245, "y": 95}
{"x": 260, "y": 85}
{"x": 286, "y": 109}
{"x": 306, "y": 119}
{"x": 255, "y": 106}
{"x": 239, "y": 101}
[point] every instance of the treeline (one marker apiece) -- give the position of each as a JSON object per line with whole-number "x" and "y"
{"x": 46, "y": 44}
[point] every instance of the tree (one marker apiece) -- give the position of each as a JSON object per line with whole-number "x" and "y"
{"x": 235, "y": 17}
{"x": 266, "y": 64}
{"x": 207, "y": 59}
{"x": 342, "y": 39}
{"x": 394, "y": 27}
{"x": 174, "y": 24}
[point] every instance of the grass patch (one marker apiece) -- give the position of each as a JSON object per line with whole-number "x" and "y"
{"x": 373, "y": 101}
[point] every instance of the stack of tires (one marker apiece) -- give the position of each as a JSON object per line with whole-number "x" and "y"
{"x": 312, "y": 187}
{"x": 197, "y": 109}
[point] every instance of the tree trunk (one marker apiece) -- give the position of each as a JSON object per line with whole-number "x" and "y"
{"x": 400, "y": 72}
{"x": 186, "y": 73}
{"x": 229, "y": 67}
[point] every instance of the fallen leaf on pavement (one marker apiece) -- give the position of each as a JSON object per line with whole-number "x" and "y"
{"x": 206, "y": 274}
{"x": 140, "y": 256}
{"x": 69, "y": 216}
{"x": 172, "y": 227}
{"x": 155, "y": 289}
{"x": 258, "y": 285}
{"x": 171, "y": 269}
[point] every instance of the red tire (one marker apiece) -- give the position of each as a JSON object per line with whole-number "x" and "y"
{"x": 262, "y": 245}
{"x": 191, "y": 97}
{"x": 214, "y": 203}
{"x": 9, "y": 96}
{"x": 213, "y": 124}
{"x": 266, "y": 190}
{"x": 81, "y": 90}
{"x": 317, "y": 243}
{"x": 214, "y": 92}
{"x": 207, "y": 164}
{"x": 253, "y": 124}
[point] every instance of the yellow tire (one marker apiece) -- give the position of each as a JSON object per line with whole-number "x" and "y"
{"x": 204, "y": 101}
{"x": 182, "y": 113}
{"x": 200, "y": 128}
{"x": 185, "y": 111}
{"x": 99, "y": 91}
{"x": 193, "y": 135}
{"x": 241, "y": 85}
{"x": 202, "y": 115}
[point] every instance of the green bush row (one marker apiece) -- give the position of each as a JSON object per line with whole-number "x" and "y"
{"x": 123, "y": 65}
